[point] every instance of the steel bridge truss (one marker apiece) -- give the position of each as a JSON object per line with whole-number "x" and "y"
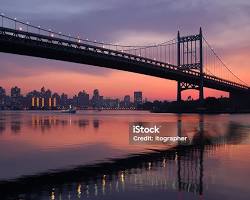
{"x": 190, "y": 58}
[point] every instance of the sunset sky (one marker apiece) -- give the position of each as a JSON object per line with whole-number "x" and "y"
{"x": 225, "y": 23}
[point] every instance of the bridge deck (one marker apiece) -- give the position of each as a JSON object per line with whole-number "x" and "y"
{"x": 37, "y": 45}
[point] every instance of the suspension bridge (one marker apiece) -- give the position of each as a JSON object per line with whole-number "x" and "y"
{"x": 189, "y": 60}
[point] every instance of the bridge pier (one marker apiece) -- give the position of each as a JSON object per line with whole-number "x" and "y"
{"x": 181, "y": 86}
{"x": 201, "y": 86}
{"x": 178, "y": 91}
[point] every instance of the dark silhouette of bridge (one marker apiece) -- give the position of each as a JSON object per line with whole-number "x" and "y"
{"x": 189, "y": 60}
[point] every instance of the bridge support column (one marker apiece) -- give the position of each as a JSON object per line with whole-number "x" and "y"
{"x": 181, "y": 86}
{"x": 178, "y": 63}
{"x": 178, "y": 91}
{"x": 201, "y": 89}
{"x": 201, "y": 93}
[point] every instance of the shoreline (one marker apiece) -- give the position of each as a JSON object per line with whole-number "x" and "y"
{"x": 150, "y": 111}
{"x": 204, "y": 112}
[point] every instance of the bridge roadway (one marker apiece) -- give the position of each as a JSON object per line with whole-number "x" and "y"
{"x": 37, "y": 45}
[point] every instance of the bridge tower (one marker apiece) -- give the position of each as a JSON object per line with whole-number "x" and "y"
{"x": 190, "y": 57}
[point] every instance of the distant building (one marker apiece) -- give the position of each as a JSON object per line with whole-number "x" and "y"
{"x": 56, "y": 100}
{"x": 138, "y": 99}
{"x": 127, "y": 103}
{"x": 16, "y": 98}
{"x": 83, "y": 100}
{"x": 74, "y": 101}
{"x": 96, "y": 99}
{"x": 101, "y": 99}
{"x": 110, "y": 103}
{"x": 39, "y": 100}
{"x": 32, "y": 100}
{"x": 64, "y": 101}
{"x": 2, "y": 98}
{"x": 15, "y": 92}
{"x": 43, "y": 100}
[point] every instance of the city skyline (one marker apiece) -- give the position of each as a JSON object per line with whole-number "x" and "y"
{"x": 36, "y": 72}
{"x": 46, "y": 99}
{"x": 8, "y": 92}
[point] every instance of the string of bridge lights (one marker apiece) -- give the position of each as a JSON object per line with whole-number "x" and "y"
{"x": 78, "y": 38}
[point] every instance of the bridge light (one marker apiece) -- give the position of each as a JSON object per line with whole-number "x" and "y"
{"x": 2, "y": 14}
{"x": 79, "y": 41}
{"x": 15, "y": 22}
{"x": 39, "y": 27}
{"x": 20, "y": 28}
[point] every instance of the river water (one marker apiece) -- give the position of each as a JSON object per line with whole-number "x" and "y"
{"x": 50, "y": 155}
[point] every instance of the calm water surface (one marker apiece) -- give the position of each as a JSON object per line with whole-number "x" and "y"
{"x": 49, "y": 155}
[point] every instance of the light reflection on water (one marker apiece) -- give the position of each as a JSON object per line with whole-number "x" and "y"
{"x": 56, "y": 156}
